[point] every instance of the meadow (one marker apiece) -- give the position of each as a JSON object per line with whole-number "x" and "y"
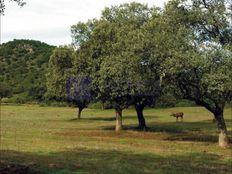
{"x": 49, "y": 140}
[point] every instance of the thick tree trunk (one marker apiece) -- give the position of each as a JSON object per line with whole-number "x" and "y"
{"x": 79, "y": 112}
{"x": 141, "y": 119}
{"x": 223, "y": 139}
{"x": 118, "y": 126}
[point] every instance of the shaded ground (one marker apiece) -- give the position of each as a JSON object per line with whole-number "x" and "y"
{"x": 15, "y": 169}
{"x": 99, "y": 161}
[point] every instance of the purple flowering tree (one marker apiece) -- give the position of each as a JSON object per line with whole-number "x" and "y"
{"x": 79, "y": 89}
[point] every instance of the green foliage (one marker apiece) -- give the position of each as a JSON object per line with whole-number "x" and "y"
{"x": 21, "y": 98}
{"x": 22, "y": 65}
{"x": 100, "y": 105}
{"x": 201, "y": 68}
{"x": 185, "y": 103}
{"x": 81, "y": 32}
{"x": 96, "y": 105}
{"x": 165, "y": 100}
{"x": 59, "y": 69}
{"x": 53, "y": 103}
{"x": 118, "y": 63}
{"x": 5, "y": 91}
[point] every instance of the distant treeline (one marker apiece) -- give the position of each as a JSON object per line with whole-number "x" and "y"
{"x": 23, "y": 65}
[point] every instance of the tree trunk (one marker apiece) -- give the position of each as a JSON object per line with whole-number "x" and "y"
{"x": 79, "y": 112}
{"x": 141, "y": 119}
{"x": 223, "y": 139}
{"x": 118, "y": 126}
{"x": 103, "y": 105}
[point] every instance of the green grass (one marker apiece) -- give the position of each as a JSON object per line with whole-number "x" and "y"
{"x": 49, "y": 140}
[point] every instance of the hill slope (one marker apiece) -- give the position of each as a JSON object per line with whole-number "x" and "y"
{"x": 22, "y": 66}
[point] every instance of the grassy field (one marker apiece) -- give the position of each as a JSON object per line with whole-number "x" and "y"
{"x": 50, "y": 140}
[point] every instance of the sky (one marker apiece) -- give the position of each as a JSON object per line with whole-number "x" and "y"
{"x": 50, "y": 20}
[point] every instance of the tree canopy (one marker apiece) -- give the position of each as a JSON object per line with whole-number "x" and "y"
{"x": 201, "y": 68}
{"x": 59, "y": 70}
{"x": 79, "y": 91}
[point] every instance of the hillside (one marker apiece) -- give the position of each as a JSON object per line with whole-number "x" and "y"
{"x": 22, "y": 66}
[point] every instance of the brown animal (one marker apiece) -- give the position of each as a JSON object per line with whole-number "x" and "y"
{"x": 177, "y": 115}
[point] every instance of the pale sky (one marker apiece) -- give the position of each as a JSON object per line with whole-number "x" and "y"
{"x": 50, "y": 20}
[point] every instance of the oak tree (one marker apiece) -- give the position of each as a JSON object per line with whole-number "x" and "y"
{"x": 200, "y": 68}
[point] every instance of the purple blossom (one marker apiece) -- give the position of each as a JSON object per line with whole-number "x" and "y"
{"x": 79, "y": 90}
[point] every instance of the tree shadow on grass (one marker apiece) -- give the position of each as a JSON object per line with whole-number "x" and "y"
{"x": 100, "y": 118}
{"x": 181, "y": 127}
{"x": 204, "y": 131}
{"x": 112, "y": 118}
{"x": 115, "y": 162}
{"x": 92, "y": 119}
{"x": 169, "y": 127}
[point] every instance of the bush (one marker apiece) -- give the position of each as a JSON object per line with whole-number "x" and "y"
{"x": 37, "y": 92}
{"x": 185, "y": 103}
{"x": 99, "y": 105}
{"x": 5, "y": 100}
{"x": 108, "y": 105}
{"x": 18, "y": 99}
{"x": 166, "y": 100}
{"x": 53, "y": 103}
